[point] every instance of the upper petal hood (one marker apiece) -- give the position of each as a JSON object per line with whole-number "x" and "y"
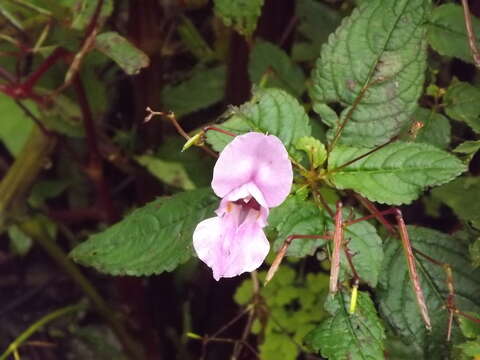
{"x": 254, "y": 158}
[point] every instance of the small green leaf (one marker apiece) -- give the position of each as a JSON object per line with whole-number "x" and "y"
{"x": 127, "y": 56}
{"x": 15, "y": 125}
{"x": 436, "y": 128}
{"x": 316, "y": 151}
{"x": 170, "y": 173}
{"x": 316, "y": 21}
{"x": 470, "y": 328}
{"x": 447, "y": 34}
{"x": 475, "y": 252}
{"x": 83, "y": 11}
{"x": 242, "y": 15}
{"x": 284, "y": 74}
{"x": 471, "y": 348}
{"x": 194, "y": 40}
{"x": 204, "y": 88}
{"x": 454, "y": 193}
{"x": 373, "y": 67}
{"x": 461, "y": 103}
{"x": 271, "y": 111}
{"x": 358, "y": 336}
{"x": 395, "y": 174}
{"x": 152, "y": 239}
{"x": 468, "y": 147}
{"x": 296, "y": 216}
{"x": 20, "y": 243}
{"x": 397, "y": 299}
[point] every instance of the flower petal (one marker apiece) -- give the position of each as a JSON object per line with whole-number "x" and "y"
{"x": 229, "y": 249}
{"x": 258, "y": 159}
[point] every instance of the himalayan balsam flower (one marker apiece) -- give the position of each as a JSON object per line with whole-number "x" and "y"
{"x": 252, "y": 174}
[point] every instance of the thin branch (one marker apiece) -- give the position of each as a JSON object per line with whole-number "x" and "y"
{"x": 472, "y": 40}
{"x": 412, "y": 269}
{"x": 337, "y": 245}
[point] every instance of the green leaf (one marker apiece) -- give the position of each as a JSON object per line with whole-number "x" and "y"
{"x": 204, "y": 88}
{"x": 461, "y": 103}
{"x": 316, "y": 151}
{"x": 152, "y": 239}
{"x": 285, "y": 74}
{"x": 471, "y": 348}
{"x": 130, "y": 58}
{"x": 470, "y": 329}
{"x": 271, "y": 111}
{"x": 84, "y": 10}
{"x": 373, "y": 67}
{"x": 316, "y": 21}
{"x": 194, "y": 40}
{"x": 297, "y": 216}
{"x": 242, "y": 15}
{"x": 354, "y": 337}
{"x": 475, "y": 253}
{"x": 15, "y": 125}
{"x": 362, "y": 240}
{"x": 447, "y": 34}
{"x": 436, "y": 128}
{"x": 395, "y": 174}
{"x": 300, "y": 217}
{"x": 468, "y": 147}
{"x": 454, "y": 193}
{"x": 397, "y": 299}
{"x": 20, "y": 243}
{"x": 64, "y": 117}
{"x": 185, "y": 170}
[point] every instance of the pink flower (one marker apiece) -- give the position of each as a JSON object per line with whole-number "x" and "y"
{"x": 252, "y": 174}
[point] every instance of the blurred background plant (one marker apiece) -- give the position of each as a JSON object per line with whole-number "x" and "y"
{"x": 76, "y": 156}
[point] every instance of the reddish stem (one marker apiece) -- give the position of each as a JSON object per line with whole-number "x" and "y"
{"x": 94, "y": 167}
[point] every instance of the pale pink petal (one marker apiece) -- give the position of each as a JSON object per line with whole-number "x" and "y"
{"x": 228, "y": 247}
{"x": 258, "y": 159}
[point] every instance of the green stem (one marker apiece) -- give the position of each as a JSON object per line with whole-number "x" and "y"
{"x": 37, "y": 231}
{"x": 24, "y": 171}
{"x": 14, "y": 345}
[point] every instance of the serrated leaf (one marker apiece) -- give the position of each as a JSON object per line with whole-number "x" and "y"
{"x": 152, "y": 239}
{"x": 242, "y": 15}
{"x": 395, "y": 174}
{"x": 461, "y": 103}
{"x": 447, "y": 33}
{"x": 375, "y": 63}
{"x": 297, "y": 216}
{"x": 397, "y": 299}
{"x": 454, "y": 194}
{"x": 204, "y": 88}
{"x": 130, "y": 58}
{"x": 436, "y": 128}
{"x": 362, "y": 240}
{"x": 285, "y": 74}
{"x": 271, "y": 111}
{"x": 302, "y": 217}
{"x": 354, "y": 337}
{"x": 316, "y": 151}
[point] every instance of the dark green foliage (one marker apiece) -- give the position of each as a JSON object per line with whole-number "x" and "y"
{"x": 152, "y": 239}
